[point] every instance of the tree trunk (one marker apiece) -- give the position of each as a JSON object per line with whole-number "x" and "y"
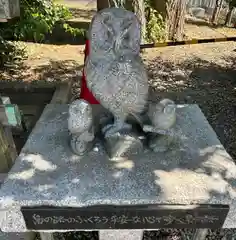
{"x": 101, "y": 4}
{"x": 173, "y": 12}
{"x": 180, "y": 20}
{"x": 229, "y": 16}
{"x": 139, "y": 9}
{"x": 216, "y": 11}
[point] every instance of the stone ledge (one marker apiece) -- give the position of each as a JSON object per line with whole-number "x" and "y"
{"x": 197, "y": 170}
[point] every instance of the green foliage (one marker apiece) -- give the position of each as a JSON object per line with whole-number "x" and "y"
{"x": 155, "y": 27}
{"x": 73, "y": 31}
{"x": 11, "y": 53}
{"x": 155, "y": 24}
{"x": 38, "y": 18}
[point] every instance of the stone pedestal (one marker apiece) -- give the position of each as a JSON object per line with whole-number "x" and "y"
{"x": 17, "y": 236}
{"x": 46, "y": 236}
{"x": 121, "y": 234}
{"x": 196, "y": 170}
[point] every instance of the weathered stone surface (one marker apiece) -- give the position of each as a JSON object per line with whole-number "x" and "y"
{"x": 197, "y": 169}
{"x": 17, "y": 236}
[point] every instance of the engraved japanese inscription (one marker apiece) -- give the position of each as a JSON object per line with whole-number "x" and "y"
{"x": 125, "y": 217}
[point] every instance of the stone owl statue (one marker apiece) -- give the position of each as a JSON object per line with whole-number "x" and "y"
{"x": 80, "y": 125}
{"x": 114, "y": 70}
{"x": 163, "y": 118}
{"x": 162, "y": 114}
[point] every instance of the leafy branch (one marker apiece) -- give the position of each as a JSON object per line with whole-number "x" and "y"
{"x": 38, "y": 18}
{"x": 156, "y": 30}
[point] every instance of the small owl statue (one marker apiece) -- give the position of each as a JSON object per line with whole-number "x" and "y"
{"x": 163, "y": 118}
{"x": 162, "y": 114}
{"x": 114, "y": 70}
{"x": 80, "y": 125}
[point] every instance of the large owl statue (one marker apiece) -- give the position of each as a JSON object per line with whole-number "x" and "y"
{"x": 114, "y": 70}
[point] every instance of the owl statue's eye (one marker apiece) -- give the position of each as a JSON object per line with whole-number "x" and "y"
{"x": 106, "y": 20}
{"x": 109, "y": 35}
{"x": 127, "y": 37}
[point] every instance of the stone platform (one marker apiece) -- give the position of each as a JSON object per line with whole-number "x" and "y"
{"x": 197, "y": 170}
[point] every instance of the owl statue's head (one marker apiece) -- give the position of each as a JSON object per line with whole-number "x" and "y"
{"x": 80, "y": 108}
{"x": 114, "y": 31}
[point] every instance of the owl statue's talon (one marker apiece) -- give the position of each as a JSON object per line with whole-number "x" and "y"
{"x": 106, "y": 128}
{"x": 79, "y": 146}
{"x": 162, "y": 114}
{"x": 112, "y": 129}
{"x": 80, "y": 125}
{"x": 160, "y": 143}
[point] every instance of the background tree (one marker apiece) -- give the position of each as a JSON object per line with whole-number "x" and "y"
{"x": 173, "y": 13}
{"x": 139, "y": 9}
{"x": 216, "y": 11}
{"x": 160, "y": 19}
{"x": 232, "y": 5}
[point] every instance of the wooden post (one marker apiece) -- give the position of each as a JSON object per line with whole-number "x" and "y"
{"x": 5, "y": 158}
{"x": 8, "y": 151}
